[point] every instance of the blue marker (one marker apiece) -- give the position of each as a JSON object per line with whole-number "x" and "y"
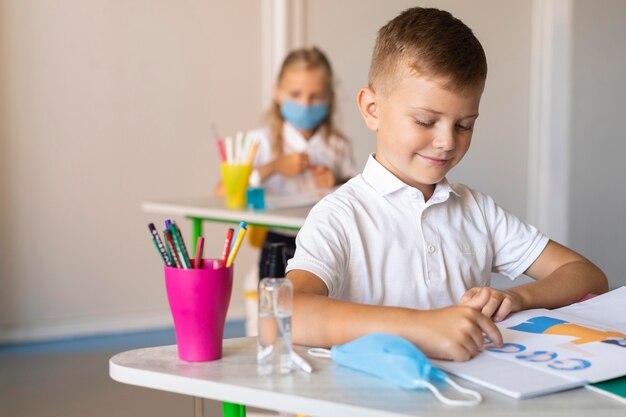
{"x": 242, "y": 225}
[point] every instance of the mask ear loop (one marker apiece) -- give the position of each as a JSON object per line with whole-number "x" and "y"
{"x": 475, "y": 399}
{"x": 320, "y": 353}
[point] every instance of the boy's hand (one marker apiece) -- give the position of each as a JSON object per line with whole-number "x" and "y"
{"x": 324, "y": 177}
{"x": 292, "y": 164}
{"x": 491, "y": 302}
{"x": 455, "y": 333}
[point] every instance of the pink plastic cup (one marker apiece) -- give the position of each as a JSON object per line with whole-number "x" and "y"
{"x": 199, "y": 301}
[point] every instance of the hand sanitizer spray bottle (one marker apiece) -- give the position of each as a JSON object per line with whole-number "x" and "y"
{"x": 275, "y": 308}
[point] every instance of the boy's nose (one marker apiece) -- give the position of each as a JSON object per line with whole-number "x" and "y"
{"x": 445, "y": 140}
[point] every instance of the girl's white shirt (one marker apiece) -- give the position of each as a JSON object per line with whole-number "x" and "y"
{"x": 333, "y": 153}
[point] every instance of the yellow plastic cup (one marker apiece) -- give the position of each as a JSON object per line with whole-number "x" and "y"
{"x": 235, "y": 179}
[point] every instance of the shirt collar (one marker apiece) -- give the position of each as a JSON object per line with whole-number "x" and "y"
{"x": 384, "y": 182}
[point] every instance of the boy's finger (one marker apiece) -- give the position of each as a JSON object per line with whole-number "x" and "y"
{"x": 478, "y": 299}
{"x": 492, "y": 331}
{"x": 468, "y": 295}
{"x": 492, "y": 305}
{"x": 479, "y": 340}
{"x": 504, "y": 310}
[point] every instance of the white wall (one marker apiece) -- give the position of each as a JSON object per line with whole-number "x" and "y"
{"x": 598, "y": 142}
{"x": 104, "y": 104}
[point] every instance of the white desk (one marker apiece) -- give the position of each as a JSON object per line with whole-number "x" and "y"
{"x": 199, "y": 210}
{"x": 330, "y": 391}
{"x": 212, "y": 209}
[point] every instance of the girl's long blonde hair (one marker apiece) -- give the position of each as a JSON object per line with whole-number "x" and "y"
{"x": 307, "y": 59}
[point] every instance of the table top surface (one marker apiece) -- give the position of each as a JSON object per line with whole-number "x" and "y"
{"x": 287, "y": 212}
{"x": 330, "y": 390}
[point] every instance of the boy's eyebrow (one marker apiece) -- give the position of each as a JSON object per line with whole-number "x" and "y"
{"x": 439, "y": 113}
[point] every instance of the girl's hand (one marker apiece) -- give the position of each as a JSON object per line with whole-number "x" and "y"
{"x": 292, "y": 164}
{"x": 491, "y": 302}
{"x": 219, "y": 190}
{"x": 324, "y": 177}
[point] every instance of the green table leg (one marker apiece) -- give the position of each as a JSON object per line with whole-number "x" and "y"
{"x": 233, "y": 410}
{"x": 196, "y": 232}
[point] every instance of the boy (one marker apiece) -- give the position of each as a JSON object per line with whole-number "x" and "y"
{"x": 395, "y": 248}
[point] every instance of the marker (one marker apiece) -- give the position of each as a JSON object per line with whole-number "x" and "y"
{"x": 233, "y": 252}
{"x": 229, "y": 150}
{"x": 172, "y": 246}
{"x": 229, "y": 239}
{"x": 169, "y": 252}
{"x": 180, "y": 246}
{"x": 158, "y": 243}
{"x": 222, "y": 151}
{"x": 252, "y": 152}
{"x": 241, "y": 225}
{"x": 238, "y": 147}
{"x": 199, "y": 248}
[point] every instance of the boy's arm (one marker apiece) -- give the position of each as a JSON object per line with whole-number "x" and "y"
{"x": 562, "y": 277}
{"x": 454, "y": 333}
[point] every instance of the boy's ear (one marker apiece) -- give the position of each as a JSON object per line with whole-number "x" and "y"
{"x": 368, "y": 106}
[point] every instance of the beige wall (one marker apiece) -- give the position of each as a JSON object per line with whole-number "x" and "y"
{"x": 104, "y": 104}
{"x": 502, "y": 129}
{"x": 597, "y": 197}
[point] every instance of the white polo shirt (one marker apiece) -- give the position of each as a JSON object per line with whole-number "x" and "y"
{"x": 334, "y": 154}
{"x": 376, "y": 241}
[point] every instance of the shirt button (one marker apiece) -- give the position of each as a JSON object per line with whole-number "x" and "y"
{"x": 423, "y": 216}
{"x": 431, "y": 249}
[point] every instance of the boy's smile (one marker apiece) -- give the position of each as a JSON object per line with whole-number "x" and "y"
{"x": 422, "y": 128}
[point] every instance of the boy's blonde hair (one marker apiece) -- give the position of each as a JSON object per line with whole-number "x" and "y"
{"x": 428, "y": 42}
{"x": 303, "y": 59}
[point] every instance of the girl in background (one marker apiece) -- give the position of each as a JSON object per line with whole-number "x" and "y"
{"x": 300, "y": 150}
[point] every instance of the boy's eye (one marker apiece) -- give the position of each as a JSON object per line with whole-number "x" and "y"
{"x": 423, "y": 123}
{"x": 467, "y": 126}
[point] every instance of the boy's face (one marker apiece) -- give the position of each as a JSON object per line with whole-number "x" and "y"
{"x": 422, "y": 129}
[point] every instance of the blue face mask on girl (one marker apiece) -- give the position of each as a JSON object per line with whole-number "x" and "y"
{"x": 303, "y": 117}
{"x": 396, "y": 360}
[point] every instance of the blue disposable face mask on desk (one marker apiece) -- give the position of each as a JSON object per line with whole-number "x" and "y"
{"x": 303, "y": 117}
{"x": 396, "y": 360}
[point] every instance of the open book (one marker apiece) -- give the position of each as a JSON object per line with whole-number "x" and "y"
{"x": 552, "y": 350}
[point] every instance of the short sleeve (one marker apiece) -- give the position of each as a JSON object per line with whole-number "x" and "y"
{"x": 516, "y": 245}
{"x": 322, "y": 246}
